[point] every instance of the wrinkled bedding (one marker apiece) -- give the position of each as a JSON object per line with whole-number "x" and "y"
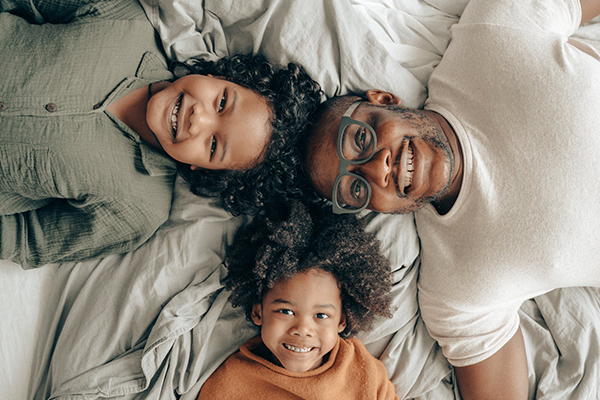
{"x": 154, "y": 323}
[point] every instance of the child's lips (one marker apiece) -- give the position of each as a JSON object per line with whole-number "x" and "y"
{"x": 300, "y": 349}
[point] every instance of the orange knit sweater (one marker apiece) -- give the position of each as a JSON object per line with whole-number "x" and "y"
{"x": 349, "y": 373}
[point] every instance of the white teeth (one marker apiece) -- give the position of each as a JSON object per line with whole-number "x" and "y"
{"x": 409, "y": 168}
{"x": 174, "y": 114}
{"x": 297, "y": 349}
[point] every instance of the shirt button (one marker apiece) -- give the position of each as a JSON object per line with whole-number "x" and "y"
{"x": 2, "y": 106}
{"x": 97, "y": 106}
{"x": 51, "y": 107}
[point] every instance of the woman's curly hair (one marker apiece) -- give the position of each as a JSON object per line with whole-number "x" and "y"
{"x": 292, "y": 96}
{"x": 287, "y": 239}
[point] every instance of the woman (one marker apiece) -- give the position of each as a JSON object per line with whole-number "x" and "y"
{"x": 93, "y": 126}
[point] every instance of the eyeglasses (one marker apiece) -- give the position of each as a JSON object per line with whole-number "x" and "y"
{"x": 357, "y": 143}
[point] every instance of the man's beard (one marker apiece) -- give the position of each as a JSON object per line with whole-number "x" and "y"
{"x": 432, "y": 135}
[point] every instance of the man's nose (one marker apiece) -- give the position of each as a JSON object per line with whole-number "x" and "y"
{"x": 377, "y": 170}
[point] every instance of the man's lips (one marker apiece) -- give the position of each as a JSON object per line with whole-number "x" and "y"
{"x": 406, "y": 167}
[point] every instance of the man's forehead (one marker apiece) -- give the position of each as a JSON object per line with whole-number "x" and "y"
{"x": 322, "y": 159}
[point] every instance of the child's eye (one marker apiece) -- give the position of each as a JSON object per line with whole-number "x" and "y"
{"x": 285, "y": 311}
{"x": 321, "y": 316}
{"x": 223, "y": 101}
{"x": 213, "y": 147}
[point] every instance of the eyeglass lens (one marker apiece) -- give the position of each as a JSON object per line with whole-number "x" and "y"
{"x": 357, "y": 142}
{"x": 357, "y": 145}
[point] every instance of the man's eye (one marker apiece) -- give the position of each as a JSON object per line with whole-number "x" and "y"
{"x": 357, "y": 189}
{"x": 361, "y": 137}
{"x": 321, "y": 316}
{"x": 213, "y": 147}
{"x": 223, "y": 101}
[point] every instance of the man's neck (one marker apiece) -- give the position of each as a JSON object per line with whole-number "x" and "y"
{"x": 448, "y": 198}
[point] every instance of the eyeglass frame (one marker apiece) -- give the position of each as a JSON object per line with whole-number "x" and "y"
{"x": 344, "y": 163}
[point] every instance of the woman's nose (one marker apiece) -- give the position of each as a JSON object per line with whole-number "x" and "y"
{"x": 377, "y": 170}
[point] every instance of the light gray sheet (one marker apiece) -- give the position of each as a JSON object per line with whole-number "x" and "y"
{"x": 155, "y": 322}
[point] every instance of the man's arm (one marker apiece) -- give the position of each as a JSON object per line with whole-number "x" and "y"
{"x": 502, "y": 376}
{"x": 589, "y": 9}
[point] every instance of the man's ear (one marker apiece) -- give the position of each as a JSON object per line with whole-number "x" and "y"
{"x": 342, "y": 324}
{"x": 381, "y": 97}
{"x": 256, "y": 314}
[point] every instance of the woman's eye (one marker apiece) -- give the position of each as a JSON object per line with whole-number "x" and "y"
{"x": 321, "y": 316}
{"x": 223, "y": 101}
{"x": 213, "y": 147}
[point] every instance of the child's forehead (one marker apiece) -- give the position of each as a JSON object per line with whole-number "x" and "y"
{"x": 312, "y": 284}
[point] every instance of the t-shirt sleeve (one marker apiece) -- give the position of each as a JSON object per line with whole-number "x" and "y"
{"x": 467, "y": 338}
{"x": 558, "y": 16}
{"x": 67, "y": 230}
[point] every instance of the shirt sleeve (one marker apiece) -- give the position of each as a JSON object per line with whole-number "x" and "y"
{"x": 468, "y": 338}
{"x": 54, "y": 11}
{"x": 68, "y": 230}
{"x": 558, "y": 16}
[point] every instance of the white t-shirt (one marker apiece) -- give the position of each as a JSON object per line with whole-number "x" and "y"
{"x": 524, "y": 100}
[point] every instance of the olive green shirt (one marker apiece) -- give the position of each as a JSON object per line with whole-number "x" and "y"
{"x": 75, "y": 182}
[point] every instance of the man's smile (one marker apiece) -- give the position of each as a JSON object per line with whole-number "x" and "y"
{"x": 406, "y": 167}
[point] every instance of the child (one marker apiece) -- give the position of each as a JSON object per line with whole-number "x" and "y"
{"x": 309, "y": 280}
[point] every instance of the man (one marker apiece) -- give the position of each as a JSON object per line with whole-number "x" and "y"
{"x": 503, "y": 167}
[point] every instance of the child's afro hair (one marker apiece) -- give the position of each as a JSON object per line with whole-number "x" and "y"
{"x": 293, "y": 237}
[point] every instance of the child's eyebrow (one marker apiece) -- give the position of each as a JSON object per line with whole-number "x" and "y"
{"x": 282, "y": 301}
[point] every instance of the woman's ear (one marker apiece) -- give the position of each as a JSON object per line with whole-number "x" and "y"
{"x": 342, "y": 324}
{"x": 256, "y": 314}
{"x": 381, "y": 97}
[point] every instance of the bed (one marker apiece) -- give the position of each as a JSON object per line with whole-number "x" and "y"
{"x": 154, "y": 323}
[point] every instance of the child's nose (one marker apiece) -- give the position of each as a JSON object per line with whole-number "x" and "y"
{"x": 201, "y": 120}
{"x": 302, "y": 327}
